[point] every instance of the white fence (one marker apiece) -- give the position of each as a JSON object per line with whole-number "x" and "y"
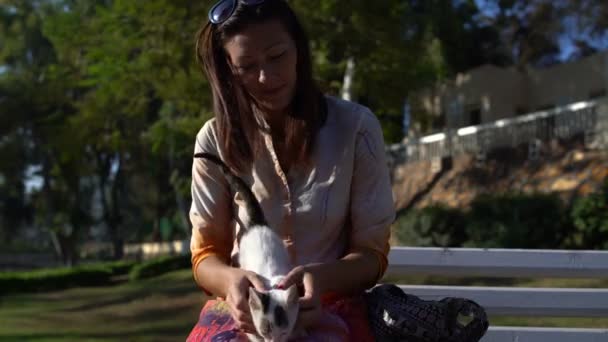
{"x": 589, "y": 118}
{"x": 514, "y": 301}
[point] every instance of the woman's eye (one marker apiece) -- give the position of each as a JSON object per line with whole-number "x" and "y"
{"x": 244, "y": 68}
{"x": 277, "y": 56}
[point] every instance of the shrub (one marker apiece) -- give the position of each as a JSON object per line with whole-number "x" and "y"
{"x": 120, "y": 267}
{"x": 518, "y": 221}
{"x": 436, "y": 226}
{"x": 54, "y": 279}
{"x": 159, "y": 266}
{"x": 590, "y": 218}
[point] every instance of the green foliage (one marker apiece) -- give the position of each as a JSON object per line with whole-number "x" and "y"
{"x": 436, "y": 226}
{"x": 95, "y": 274}
{"x": 159, "y": 266}
{"x": 120, "y": 267}
{"x": 56, "y": 279}
{"x": 390, "y": 43}
{"x": 495, "y": 221}
{"x": 590, "y": 217}
{"x": 517, "y": 221}
{"x": 101, "y": 100}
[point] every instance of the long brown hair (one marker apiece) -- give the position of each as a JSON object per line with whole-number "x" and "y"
{"x": 238, "y": 130}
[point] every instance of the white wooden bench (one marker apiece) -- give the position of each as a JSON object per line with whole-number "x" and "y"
{"x": 514, "y": 301}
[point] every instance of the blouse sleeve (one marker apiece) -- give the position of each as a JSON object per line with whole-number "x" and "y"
{"x": 372, "y": 209}
{"x": 211, "y": 210}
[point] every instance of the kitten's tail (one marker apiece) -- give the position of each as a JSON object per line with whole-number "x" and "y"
{"x": 254, "y": 210}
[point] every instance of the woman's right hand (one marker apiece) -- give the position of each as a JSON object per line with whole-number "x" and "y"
{"x": 237, "y": 297}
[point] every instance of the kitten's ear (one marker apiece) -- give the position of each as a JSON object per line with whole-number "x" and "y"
{"x": 255, "y": 302}
{"x": 292, "y": 294}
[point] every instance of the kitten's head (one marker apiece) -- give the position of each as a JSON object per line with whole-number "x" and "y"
{"x": 274, "y": 313}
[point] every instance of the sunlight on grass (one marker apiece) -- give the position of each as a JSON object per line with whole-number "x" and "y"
{"x": 166, "y": 308}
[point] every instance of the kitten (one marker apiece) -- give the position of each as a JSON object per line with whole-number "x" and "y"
{"x": 262, "y": 251}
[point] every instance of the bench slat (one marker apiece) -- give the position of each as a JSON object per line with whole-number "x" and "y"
{"x": 497, "y": 262}
{"x": 530, "y": 334}
{"x": 519, "y": 301}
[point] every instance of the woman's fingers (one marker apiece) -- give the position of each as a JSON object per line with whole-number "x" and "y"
{"x": 309, "y": 286}
{"x": 242, "y": 319}
{"x": 293, "y": 277}
{"x": 255, "y": 280}
{"x": 239, "y": 308}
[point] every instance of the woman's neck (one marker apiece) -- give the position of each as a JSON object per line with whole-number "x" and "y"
{"x": 275, "y": 121}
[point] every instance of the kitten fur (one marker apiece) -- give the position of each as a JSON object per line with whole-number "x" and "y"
{"x": 262, "y": 251}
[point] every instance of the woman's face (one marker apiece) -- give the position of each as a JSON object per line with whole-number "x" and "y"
{"x": 264, "y": 58}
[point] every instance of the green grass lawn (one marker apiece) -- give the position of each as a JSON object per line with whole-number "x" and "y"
{"x": 158, "y": 309}
{"x": 166, "y": 308}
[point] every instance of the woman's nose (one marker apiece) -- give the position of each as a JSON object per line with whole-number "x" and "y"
{"x": 266, "y": 73}
{"x": 263, "y": 77}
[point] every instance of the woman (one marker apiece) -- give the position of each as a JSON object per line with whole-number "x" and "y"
{"x": 316, "y": 164}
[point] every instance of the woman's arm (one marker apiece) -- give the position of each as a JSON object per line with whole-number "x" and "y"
{"x": 213, "y": 275}
{"x": 212, "y": 238}
{"x": 232, "y": 284}
{"x": 352, "y": 274}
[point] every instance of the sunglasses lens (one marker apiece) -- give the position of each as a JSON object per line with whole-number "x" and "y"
{"x": 221, "y": 11}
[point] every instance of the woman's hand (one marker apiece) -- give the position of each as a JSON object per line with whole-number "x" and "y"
{"x": 236, "y": 296}
{"x": 310, "y": 302}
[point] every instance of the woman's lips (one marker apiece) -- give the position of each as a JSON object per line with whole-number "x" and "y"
{"x": 271, "y": 93}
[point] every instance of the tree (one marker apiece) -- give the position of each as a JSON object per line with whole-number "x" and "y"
{"x": 141, "y": 104}
{"x": 35, "y": 107}
{"x": 370, "y": 53}
{"x": 533, "y": 29}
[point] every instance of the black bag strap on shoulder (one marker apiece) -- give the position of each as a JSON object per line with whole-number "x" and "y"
{"x": 397, "y": 316}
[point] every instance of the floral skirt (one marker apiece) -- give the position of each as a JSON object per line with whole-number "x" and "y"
{"x": 342, "y": 320}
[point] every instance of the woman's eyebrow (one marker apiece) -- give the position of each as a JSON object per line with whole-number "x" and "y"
{"x": 274, "y": 44}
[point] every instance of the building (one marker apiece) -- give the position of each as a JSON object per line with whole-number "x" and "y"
{"x": 489, "y": 93}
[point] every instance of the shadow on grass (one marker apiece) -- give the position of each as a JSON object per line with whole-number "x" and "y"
{"x": 153, "y": 324}
{"x": 133, "y": 294}
{"x": 171, "y": 333}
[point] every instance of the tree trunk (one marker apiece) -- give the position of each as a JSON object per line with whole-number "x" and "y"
{"x": 110, "y": 206}
{"x": 115, "y": 215}
{"x": 48, "y": 220}
{"x": 179, "y": 200}
{"x": 349, "y": 77}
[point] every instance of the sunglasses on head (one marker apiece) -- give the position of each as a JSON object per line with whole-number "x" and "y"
{"x": 223, "y": 10}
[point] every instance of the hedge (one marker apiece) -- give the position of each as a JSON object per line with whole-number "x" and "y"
{"x": 159, "y": 266}
{"x": 64, "y": 277}
{"x": 510, "y": 221}
{"x": 54, "y": 279}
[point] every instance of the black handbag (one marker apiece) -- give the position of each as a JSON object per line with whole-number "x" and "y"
{"x": 397, "y": 316}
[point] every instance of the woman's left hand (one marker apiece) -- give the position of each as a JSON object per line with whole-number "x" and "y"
{"x": 310, "y": 302}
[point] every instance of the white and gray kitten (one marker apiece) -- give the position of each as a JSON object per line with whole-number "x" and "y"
{"x": 263, "y": 252}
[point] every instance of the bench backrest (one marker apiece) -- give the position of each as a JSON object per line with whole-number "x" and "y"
{"x": 513, "y": 301}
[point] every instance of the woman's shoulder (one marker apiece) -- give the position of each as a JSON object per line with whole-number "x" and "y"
{"x": 347, "y": 114}
{"x": 206, "y": 138}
